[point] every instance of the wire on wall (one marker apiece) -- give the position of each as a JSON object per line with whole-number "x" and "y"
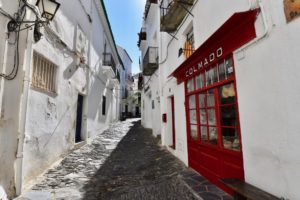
{"x": 12, "y": 75}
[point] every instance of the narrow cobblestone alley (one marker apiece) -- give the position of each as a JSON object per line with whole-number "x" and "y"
{"x": 125, "y": 162}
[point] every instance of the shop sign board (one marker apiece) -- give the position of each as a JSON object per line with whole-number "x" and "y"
{"x": 205, "y": 61}
{"x": 235, "y": 32}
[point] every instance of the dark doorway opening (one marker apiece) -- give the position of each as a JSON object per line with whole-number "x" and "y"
{"x": 137, "y": 111}
{"x": 79, "y": 119}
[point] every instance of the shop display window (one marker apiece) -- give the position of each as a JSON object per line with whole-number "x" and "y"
{"x": 193, "y": 117}
{"x": 190, "y": 85}
{"x": 213, "y": 115}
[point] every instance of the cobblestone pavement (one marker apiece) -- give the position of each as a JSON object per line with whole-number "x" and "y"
{"x": 123, "y": 163}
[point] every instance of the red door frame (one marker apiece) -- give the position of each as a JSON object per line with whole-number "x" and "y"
{"x": 196, "y": 149}
{"x": 216, "y": 162}
{"x": 173, "y": 123}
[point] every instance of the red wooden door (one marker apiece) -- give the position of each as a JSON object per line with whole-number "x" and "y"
{"x": 214, "y": 140}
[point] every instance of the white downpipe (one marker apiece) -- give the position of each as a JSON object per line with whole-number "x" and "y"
{"x": 265, "y": 23}
{"x": 22, "y": 113}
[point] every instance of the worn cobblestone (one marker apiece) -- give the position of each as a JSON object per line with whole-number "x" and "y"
{"x": 123, "y": 163}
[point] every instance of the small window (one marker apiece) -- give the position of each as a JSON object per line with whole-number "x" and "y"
{"x": 44, "y": 73}
{"x": 103, "y": 105}
{"x": 189, "y": 46}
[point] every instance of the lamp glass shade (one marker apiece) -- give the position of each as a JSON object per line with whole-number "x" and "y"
{"x": 48, "y": 8}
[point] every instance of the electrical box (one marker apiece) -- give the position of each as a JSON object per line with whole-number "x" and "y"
{"x": 164, "y": 118}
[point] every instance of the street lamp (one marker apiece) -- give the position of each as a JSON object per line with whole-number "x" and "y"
{"x": 48, "y": 8}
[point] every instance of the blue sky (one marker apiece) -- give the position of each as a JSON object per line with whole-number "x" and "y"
{"x": 125, "y": 17}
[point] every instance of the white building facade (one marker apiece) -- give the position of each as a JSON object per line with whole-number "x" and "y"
{"x": 65, "y": 92}
{"x": 127, "y": 84}
{"x": 226, "y": 83}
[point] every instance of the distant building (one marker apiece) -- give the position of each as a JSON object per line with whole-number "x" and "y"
{"x": 126, "y": 84}
{"x": 220, "y": 84}
{"x": 56, "y": 93}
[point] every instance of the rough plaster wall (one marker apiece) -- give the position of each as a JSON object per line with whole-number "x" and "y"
{"x": 10, "y": 103}
{"x": 152, "y": 117}
{"x": 180, "y": 123}
{"x": 51, "y": 119}
{"x": 268, "y": 94}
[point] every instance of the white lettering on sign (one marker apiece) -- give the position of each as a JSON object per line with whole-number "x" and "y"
{"x": 205, "y": 61}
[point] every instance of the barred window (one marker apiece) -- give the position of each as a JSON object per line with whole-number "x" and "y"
{"x": 44, "y": 73}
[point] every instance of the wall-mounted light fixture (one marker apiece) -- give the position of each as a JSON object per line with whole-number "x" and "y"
{"x": 48, "y": 8}
{"x": 44, "y": 11}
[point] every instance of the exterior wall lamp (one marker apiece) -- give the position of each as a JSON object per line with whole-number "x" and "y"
{"x": 48, "y": 8}
{"x": 44, "y": 11}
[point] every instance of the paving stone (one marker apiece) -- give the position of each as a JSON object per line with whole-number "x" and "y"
{"x": 123, "y": 163}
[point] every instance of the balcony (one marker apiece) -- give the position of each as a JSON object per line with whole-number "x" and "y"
{"x": 142, "y": 36}
{"x": 150, "y": 61}
{"x": 140, "y": 82}
{"x": 147, "y": 7}
{"x": 109, "y": 65}
{"x": 172, "y": 13}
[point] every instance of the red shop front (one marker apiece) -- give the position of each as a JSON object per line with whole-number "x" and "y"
{"x": 214, "y": 135}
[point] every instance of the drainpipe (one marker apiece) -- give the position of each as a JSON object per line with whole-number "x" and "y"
{"x": 252, "y": 5}
{"x": 22, "y": 115}
{"x": 23, "y": 109}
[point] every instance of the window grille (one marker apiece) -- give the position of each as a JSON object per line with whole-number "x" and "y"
{"x": 44, "y": 73}
{"x": 189, "y": 47}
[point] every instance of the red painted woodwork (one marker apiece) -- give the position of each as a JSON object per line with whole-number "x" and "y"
{"x": 235, "y": 32}
{"x": 211, "y": 157}
{"x": 173, "y": 124}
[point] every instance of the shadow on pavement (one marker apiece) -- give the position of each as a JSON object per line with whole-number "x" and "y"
{"x": 138, "y": 169}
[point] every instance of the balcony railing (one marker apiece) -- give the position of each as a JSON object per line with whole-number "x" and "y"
{"x": 140, "y": 82}
{"x": 150, "y": 61}
{"x": 147, "y": 7}
{"x": 142, "y": 36}
{"x": 172, "y": 13}
{"x": 109, "y": 61}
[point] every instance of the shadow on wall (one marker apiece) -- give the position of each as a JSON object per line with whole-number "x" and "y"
{"x": 70, "y": 70}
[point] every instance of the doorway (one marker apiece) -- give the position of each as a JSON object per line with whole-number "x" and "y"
{"x": 79, "y": 119}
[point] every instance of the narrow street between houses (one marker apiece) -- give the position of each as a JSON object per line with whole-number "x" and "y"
{"x": 124, "y": 162}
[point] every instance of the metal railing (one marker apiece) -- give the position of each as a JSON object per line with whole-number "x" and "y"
{"x": 142, "y": 36}
{"x": 108, "y": 60}
{"x": 172, "y": 13}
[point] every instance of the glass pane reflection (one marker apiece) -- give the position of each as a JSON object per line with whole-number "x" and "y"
{"x": 192, "y": 102}
{"x": 230, "y": 139}
{"x": 193, "y": 117}
{"x": 227, "y": 94}
{"x": 194, "y": 134}
{"x": 203, "y": 131}
{"x": 213, "y": 135}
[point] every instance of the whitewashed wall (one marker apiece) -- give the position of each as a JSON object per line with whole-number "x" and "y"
{"x": 268, "y": 91}
{"x": 11, "y": 102}
{"x": 51, "y": 119}
{"x": 267, "y": 83}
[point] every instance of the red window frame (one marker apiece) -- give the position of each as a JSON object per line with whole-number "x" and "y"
{"x": 217, "y": 107}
